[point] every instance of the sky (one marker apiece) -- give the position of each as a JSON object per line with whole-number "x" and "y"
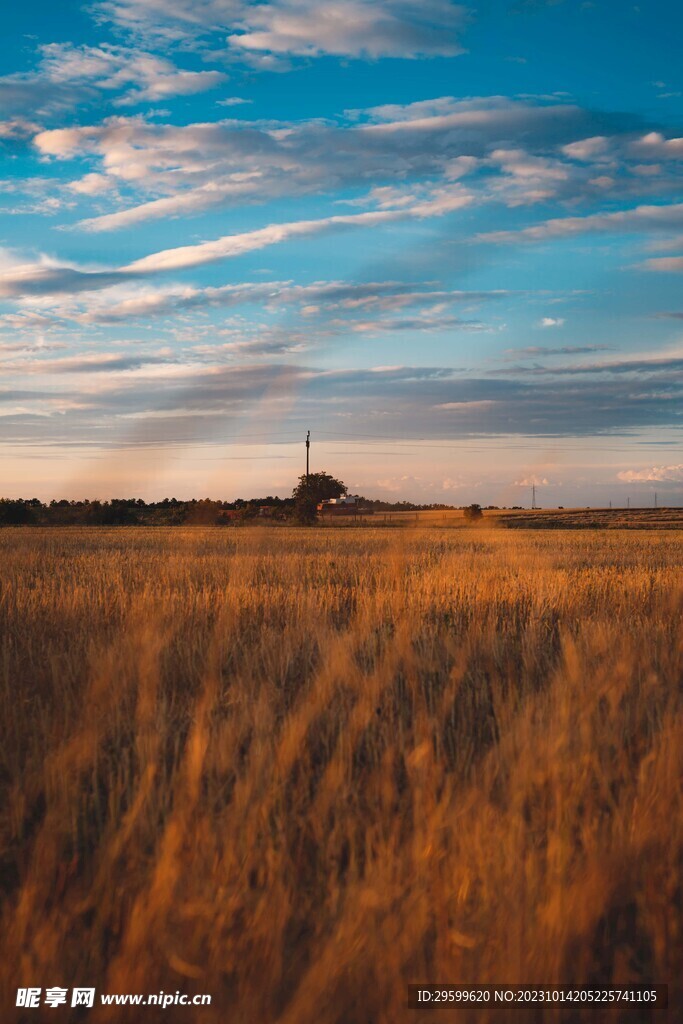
{"x": 445, "y": 238}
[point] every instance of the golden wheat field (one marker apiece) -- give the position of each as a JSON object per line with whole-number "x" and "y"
{"x": 298, "y": 769}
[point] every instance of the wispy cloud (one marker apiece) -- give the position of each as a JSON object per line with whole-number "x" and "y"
{"x": 638, "y": 366}
{"x": 640, "y": 218}
{"x": 132, "y": 301}
{"x": 415, "y": 152}
{"x": 664, "y": 264}
{"x": 47, "y": 277}
{"x": 301, "y": 28}
{"x": 68, "y": 75}
{"x": 542, "y": 351}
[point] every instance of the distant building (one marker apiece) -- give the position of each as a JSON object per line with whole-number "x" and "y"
{"x": 346, "y": 505}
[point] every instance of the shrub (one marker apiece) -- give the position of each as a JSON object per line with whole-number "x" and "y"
{"x": 472, "y": 513}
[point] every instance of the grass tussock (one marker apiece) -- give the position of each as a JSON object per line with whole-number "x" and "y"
{"x": 299, "y": 769}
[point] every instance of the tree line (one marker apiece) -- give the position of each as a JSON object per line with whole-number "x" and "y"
{"x": 300, "y": 507}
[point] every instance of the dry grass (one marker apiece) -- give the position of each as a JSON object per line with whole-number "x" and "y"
{"x": 538, "y": 519}
{"x": 298, "y": 769}
{"x": 595, "y": 518}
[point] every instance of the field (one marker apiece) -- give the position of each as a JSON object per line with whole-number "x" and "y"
{"x": 540, "y": 519}
{"x": 297, "y": 769}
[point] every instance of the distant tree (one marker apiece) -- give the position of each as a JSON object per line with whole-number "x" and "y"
{"x": 15, "y": 513}
{"x": 311, "y": 490}
{"x": 203, "y": 513}
{"x": 117, "y": 512}
{"x": 472, "y": 513}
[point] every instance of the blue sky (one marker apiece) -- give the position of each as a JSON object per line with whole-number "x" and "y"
{"x": 446, "y": 238}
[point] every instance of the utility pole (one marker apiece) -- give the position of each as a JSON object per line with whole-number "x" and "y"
{"x": 533, "y": 495}
{"x": 655, "y": 499}
{"x": 308, "y": 448}
{"x": 628, "y": 503}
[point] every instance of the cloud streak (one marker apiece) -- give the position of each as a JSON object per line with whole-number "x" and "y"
{"x": 639, "y": 219}
{"x": 40, "y": 279}
{"x": 133, "y": 302}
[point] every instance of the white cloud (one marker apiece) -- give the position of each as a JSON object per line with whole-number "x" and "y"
{"x": 248, "y": 241}
{"x": 21, "y": 278}
{"x": 407, "y": 111}
{"x": 428, "y": 321}
{"x": 496, "y": 114}
{"x": 655, "y": 146}
{"x": 551, "y": 321}
{"x": 235, "y": 245}
{"x": 406, "y": 154}
{"x": 526, "y": 178}
{"x": 92, "y": 185}
{"x": 67, "y": 75}
{"x": 485, "y": 403}
{"x": 654, "y": 474}
{"x": 191, "y": 201}
{"x": 18, "y": 128}
{"x": 170, "y": 19}
{"x": 133, "y": 74}
{"x": 132, "y": 301}
{"x": 354, "y": 28}
{"x": 535, "y": 168}
{"x": 48, "y": 276}
{"x": 351, "y": 28}
{"x": 588, "y": 150}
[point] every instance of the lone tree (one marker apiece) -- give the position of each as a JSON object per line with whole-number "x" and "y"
{"x": 472, "y": 513}
{"x": 313, "y": 489}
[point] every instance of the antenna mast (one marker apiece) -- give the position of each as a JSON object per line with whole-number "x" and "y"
{"x": 308, "y": 448}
